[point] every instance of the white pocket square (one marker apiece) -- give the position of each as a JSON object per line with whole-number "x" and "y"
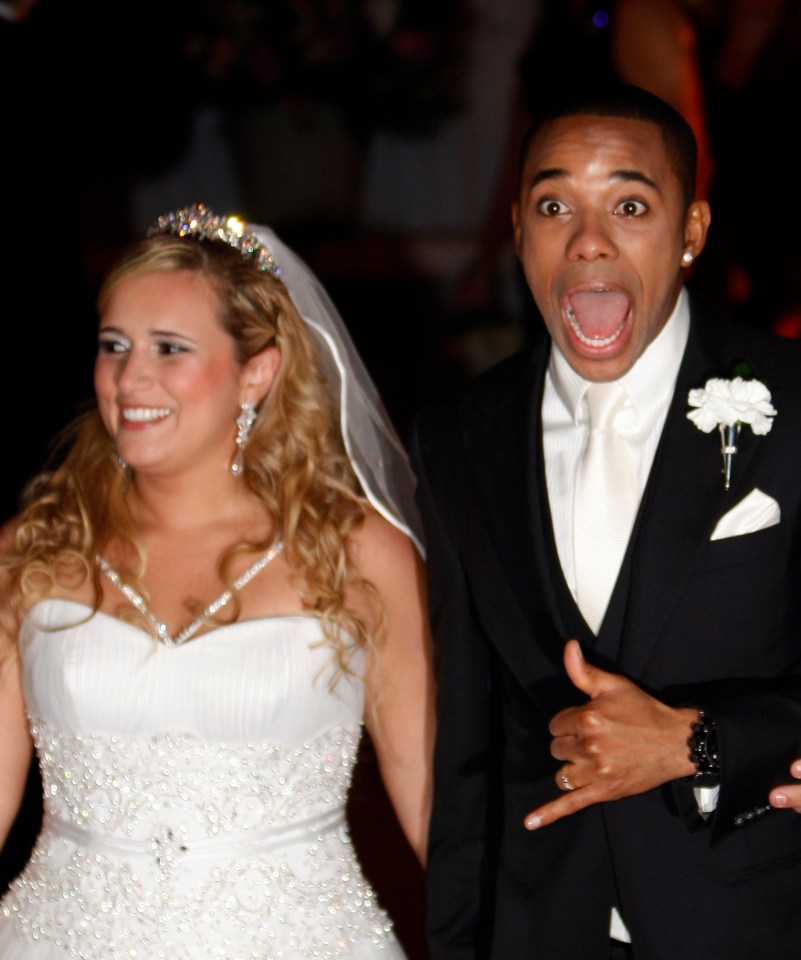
{"x": 755, "y": 512}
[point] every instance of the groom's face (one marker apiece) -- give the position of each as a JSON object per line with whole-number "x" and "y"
{"x": 600, "y": 228}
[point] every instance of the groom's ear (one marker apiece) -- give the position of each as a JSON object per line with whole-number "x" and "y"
{"x": 696, "y": 226}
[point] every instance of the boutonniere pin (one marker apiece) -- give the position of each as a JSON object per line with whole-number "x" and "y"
{"x": 727, "y": 405}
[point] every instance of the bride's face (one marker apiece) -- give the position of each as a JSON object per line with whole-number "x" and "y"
{"x": 167, "y": 383}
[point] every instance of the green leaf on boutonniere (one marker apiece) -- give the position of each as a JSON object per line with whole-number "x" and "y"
{"x": 743, "y": 370}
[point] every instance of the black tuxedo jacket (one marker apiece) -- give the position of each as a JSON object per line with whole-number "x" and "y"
{"x": 712, "y": 623}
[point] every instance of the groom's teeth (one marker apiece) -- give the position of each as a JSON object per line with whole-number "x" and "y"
{"x": 590, "y": 341}
{"x": 143, "y": 414}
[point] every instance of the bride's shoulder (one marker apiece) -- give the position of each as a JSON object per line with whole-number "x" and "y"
{"x": 11, "y": 613}
{"x": 385, "y": 555}
{"x": 380, "y": 541}
{"x": 28, "y": 573}
{"x": 7, "y": 535}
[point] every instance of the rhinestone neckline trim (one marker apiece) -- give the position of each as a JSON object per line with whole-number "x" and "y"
{"x": 138, "y": 601}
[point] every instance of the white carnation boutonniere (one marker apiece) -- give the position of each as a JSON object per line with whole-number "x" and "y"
{"x": 727, "y": 405}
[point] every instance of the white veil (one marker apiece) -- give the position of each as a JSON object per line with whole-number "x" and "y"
{"x": 372, "y": 444}
{"x": 371, "y": 441}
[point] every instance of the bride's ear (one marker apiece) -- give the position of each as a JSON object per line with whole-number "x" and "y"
{"x": 259, "y": 373}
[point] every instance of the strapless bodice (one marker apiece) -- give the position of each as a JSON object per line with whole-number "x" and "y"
{"x": 194, "y": 795}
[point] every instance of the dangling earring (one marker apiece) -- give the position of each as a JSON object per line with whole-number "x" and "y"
{"x": 122, "y": 463}
{"x": 247, "y": 414}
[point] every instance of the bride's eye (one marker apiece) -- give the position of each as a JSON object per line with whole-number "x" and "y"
{"x": 111, "y": 345}
{"x": 168, "y": 348}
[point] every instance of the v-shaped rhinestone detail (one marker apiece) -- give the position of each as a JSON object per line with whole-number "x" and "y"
{"x": 191, "y": 629}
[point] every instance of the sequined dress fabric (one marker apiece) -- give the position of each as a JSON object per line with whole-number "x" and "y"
{"x": 194, "y": 797}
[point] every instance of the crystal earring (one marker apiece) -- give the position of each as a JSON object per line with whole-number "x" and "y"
{"x": 247, "y": 414}
{"x": 687, "y": 258}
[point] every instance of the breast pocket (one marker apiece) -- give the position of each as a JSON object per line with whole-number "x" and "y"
{"x": 734, "y": 609}
{"x": 747, "y": 548}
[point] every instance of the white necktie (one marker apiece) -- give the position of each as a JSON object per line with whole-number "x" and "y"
{"x": 605, "y": 504}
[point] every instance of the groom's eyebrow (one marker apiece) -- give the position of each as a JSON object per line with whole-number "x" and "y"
{"x": 561, "y": 173}
{"x": 633, "y": 176}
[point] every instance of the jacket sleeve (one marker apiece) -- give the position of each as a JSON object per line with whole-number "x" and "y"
{"x": 461, "y": 857}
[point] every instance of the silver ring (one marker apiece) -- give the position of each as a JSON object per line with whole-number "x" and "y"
{"x": 565, "y": 782}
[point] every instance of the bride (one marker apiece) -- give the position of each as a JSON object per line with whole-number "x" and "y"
{"x": 216, "y": 585}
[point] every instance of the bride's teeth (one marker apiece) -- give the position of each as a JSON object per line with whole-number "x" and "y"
{"x": 143, "y": 414}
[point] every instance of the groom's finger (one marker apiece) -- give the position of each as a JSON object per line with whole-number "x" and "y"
{"x": 589, "y": 679}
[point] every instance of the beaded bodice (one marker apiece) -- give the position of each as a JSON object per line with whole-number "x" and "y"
{"x": 141, "y": 790}
{"x": 194, "y": 795}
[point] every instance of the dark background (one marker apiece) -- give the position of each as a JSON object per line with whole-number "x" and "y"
{"x": 373, "y": 145}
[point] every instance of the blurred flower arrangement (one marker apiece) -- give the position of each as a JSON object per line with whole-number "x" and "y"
{"x": 395, "y": 65}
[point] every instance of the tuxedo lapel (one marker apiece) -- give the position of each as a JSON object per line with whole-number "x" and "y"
{"x": 504, "y": 449}
{"x": 510, "y": 551}
{"x": 683, "y": 499}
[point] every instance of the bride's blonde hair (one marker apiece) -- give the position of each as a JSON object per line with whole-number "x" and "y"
{"x": 294, "y": 461}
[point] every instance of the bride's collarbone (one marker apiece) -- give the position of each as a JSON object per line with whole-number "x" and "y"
{"x": 177, "y": 591}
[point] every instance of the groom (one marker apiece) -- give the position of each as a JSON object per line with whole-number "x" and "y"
{"x": 610, "y": 725}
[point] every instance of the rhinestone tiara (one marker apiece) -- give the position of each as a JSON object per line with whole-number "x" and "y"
{"x": 198, "y": 221}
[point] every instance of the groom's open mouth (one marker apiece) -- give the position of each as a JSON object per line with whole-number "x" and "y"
{"x": 597, "y": 317}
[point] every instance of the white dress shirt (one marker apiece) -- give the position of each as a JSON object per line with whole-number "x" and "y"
{"x": 649, "y": 385}
{"x": 565, "y": 421}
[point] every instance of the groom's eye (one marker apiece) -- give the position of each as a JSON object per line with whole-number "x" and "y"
{"x": 551, "y": 207}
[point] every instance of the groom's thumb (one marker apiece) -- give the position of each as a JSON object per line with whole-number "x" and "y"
{"x": 584, "y": 675}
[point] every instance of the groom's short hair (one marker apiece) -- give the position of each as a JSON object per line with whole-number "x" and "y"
{"x": 627, "y": 102}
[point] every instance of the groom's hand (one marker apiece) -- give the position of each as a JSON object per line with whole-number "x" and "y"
{"x": 621, "y": 742}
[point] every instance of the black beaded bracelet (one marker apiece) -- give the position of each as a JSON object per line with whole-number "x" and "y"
{"x": 704, "y": 752}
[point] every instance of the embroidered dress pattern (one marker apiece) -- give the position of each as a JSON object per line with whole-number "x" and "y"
{"x": 115, "y": 865}
{"x": 199, "y": 813}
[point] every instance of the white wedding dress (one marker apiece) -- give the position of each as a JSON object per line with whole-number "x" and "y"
{"x": 194, "y": 796}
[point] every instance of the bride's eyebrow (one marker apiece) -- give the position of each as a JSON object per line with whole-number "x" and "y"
{"x": 175, "y": 334}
